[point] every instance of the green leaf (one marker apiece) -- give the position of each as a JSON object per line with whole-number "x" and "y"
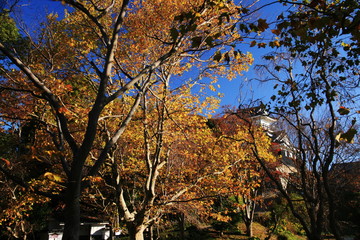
{"x": 8, "y": 30}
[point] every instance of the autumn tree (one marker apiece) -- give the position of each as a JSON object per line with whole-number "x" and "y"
{"x": 316, "y": 79}
{"x": 73, "y": 70}
{"x": 178, "y": 159}
{"x": 247, "y": 178}
{"x": 164, "y": 171}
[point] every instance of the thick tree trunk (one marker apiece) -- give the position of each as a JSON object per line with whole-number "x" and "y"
{"x": 72, "y": 211}
{"x": 136, "y": 232}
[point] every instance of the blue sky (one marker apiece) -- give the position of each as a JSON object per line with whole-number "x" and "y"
{"x": 233, "y": 91}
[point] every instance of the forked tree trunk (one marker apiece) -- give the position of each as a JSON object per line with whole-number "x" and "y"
{"x": 151, "y": 232}
{"x": 248, "y": 213}
{"x": 249, "y": 230}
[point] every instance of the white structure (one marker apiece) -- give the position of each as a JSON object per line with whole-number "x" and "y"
{"x": 100, "y": 231}
{"x": 55, "y": 235}
{"x": 264, "y": 121}
{"x": 88, "y": 231}
{"x": 260, "y": 117}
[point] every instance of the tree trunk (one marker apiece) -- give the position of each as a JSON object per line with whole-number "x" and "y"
{"x": 182, "y": 225}
{"x": 331, "y": 216}
{"x": 249, "y": 230}
{"x": 72, "y": 211}
{"x": 136, "y": 232}
{"x": 248, "y": 213}
{"x": 151, "y": 232}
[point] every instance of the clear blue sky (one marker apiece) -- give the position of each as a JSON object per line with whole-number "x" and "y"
{"x": 34, "y": 11}
{"x": 240, "y": 90}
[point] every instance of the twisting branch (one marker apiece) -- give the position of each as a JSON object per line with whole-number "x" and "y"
{"x": 47, "y": 94}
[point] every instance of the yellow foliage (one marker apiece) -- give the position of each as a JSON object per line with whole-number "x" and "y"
{"x": 53, "y": 176}
{"x": 169, "y": 134}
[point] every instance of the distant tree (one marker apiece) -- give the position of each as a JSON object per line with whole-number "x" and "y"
{"x": 248, "y": 180}
{"x": 316, "y": 77}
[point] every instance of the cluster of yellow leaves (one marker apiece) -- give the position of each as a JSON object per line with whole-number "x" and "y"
{"x": 53, "y": 177}
{"x": 49, "y": 182}
{"x": 242, "y": 139}
{"x": 220, "y": 217}
{"x": 198, "y": 160}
